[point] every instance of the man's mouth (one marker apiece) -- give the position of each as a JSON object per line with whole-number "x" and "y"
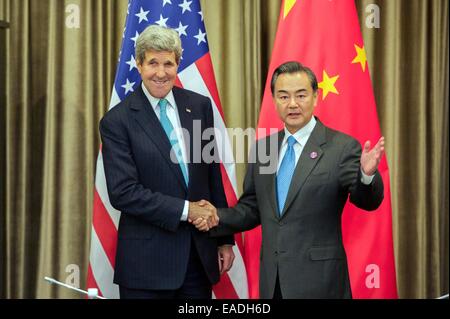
{"x": 159, "y": 82}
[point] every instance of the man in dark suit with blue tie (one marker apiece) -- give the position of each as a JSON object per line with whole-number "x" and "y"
{"x": 299, "y": 203}
{"x": 152, "y": 179}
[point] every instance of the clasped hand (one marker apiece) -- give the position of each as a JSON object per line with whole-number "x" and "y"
{"x": 203, "y": 215}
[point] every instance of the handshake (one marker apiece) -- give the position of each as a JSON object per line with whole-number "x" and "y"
{"x": 203, "y": 215}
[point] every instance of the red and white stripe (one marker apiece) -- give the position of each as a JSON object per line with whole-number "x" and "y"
{"x": 198, "y": 77}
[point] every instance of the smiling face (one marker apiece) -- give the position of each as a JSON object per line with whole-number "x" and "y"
{"x": 158, "y": 72}
{"x": 295, "y": 100}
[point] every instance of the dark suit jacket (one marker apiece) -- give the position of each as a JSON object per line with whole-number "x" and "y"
{"x": 305, "y": 246}
{"x": 153, "y": 244}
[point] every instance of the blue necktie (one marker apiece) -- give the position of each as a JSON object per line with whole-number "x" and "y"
{"x": 168, "y": 128}
{"x": 285, "y": 173}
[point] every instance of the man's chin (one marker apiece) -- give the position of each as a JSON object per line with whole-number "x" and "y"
{"x": 159, "y": 93}
{"x": 294, "y": 127}
{"x": 295, "y": 124}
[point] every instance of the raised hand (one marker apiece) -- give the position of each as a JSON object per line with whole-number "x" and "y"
{"x": 203, "y": 212}
{"x": 370, "y": 158}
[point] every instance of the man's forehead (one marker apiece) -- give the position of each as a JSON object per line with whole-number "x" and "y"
{"x": 292, "y": 82}
{"x": 296, "y": 76}
{"x": 164, "y": 55}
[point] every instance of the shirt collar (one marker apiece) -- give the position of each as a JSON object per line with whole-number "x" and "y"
{"x": 302, "y": 135}
{"x": 154, "y": 101}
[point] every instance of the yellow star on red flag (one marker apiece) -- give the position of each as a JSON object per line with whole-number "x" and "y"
{"x": 288, "y": 4}
{"x": 328, "y": 85}
{"x": 360, "y": 57}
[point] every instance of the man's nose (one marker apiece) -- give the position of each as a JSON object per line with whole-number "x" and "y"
{"x": 292, "y": 102}
{"x": 160, "y": 72}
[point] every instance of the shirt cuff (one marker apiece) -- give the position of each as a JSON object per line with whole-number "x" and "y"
{"x": 184, "y": 216}
{"x": 365, "y": 179}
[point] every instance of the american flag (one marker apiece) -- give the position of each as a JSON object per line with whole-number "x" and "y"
{"x": 195, "y": 73}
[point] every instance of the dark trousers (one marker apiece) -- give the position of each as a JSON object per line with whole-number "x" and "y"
{"x": 277, "y": 292}
{"x": 195, "y": 285}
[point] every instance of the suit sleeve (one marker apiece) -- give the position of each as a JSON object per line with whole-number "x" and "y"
{"x": 367, "y": 197}
{"x": 125, "y": 191}
{"x": 245, "y": 214}
{"x": 218, "y": 197}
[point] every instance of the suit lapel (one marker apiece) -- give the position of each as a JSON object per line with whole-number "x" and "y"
{"x": 311, "y": 154}
{"x": 149, "y": 122}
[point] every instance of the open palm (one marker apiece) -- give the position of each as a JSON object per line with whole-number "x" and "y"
{"x": 370, "y": 158}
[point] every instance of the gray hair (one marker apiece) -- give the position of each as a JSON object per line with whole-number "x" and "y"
{"x": 293, "y": 67}
{"x": 158, "y": 38}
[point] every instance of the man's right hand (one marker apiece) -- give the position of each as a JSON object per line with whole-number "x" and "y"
{"x": 203, "y": 211}
{"x": 201, "y": 224}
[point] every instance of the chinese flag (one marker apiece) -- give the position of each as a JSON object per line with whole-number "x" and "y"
{"x": 325, "y": 36}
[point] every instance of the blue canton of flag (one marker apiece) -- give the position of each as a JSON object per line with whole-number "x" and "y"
{"x": 184, "y": 16}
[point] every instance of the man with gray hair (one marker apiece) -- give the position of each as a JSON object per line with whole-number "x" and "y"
{"x": 153, "y": 181}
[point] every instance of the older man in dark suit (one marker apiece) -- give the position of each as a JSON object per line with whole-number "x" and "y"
{"x": 154, "y": 182}
{"x": 299, "y": 203}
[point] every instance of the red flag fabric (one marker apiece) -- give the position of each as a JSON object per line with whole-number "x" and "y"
{"x": 325, "y": 36}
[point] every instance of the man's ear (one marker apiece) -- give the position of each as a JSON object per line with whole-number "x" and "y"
{"x": 139, "y": 66}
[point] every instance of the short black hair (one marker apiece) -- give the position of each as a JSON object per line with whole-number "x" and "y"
{"x": 293, "y": 67}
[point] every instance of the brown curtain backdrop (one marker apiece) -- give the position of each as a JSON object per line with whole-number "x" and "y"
{"x": 408, "y": 60}
{"x": 58, "y": 85}
{"x": 59, "y": 82}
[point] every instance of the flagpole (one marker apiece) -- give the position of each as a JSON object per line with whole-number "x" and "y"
{"x": 92, "y": 293}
